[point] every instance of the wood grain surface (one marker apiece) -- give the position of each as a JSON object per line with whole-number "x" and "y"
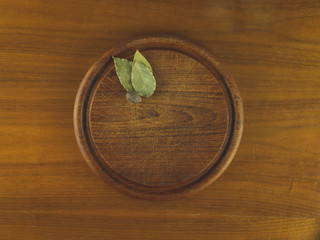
{"x": 169, "y": 138}
{"x": 271, "y": 190}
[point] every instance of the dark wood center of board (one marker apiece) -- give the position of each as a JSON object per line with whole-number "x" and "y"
{"x": 169, "y": 138}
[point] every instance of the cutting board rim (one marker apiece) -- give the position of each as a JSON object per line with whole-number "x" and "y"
{"x": 235, "y": 125}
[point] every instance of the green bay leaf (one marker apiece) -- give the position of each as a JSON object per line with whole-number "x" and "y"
{"x": 138, "y": 57}
{"x": 123, "y": 70}
{"x": 142, "y": 79}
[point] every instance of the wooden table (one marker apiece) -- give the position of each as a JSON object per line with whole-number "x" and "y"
{"x": 270, "y": 191}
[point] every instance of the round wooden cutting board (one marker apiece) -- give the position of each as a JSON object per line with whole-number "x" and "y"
{"x": 174, "y": 143}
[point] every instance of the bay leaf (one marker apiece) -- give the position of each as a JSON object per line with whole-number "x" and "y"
{"x": 123, "y": 70}
{"x": 138, "y": 57}
{"x": 142, "y": 79}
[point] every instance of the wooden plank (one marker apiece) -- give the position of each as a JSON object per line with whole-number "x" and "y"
{"x": 271, "y": 189}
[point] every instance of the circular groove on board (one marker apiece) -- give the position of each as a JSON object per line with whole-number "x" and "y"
{"x": 174, "y": 143}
